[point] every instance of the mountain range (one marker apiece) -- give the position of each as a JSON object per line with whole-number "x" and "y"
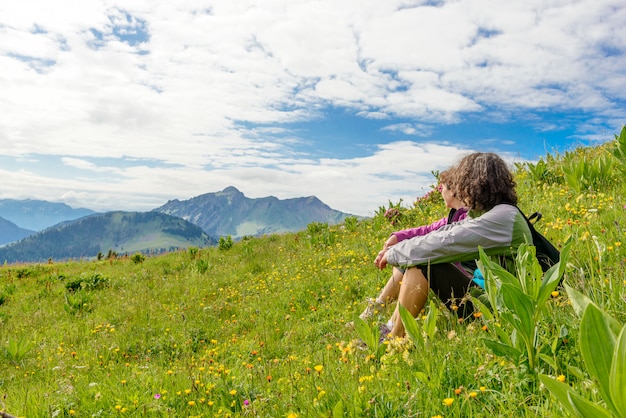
{"x": 119, "y": 232}
{"x": 230, "y": 212}
{"x": 36, "y": 215}
{"x": 40, "y": 230}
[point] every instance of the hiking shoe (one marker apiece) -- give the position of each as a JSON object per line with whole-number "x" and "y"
{"x": 373, "y": 307}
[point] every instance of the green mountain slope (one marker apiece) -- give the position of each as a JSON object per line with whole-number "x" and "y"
{"x": 122, "y": 232}
{"x": 10, "y": 232}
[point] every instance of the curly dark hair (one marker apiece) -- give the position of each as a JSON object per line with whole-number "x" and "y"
{"x": 483, "y": 180}
{"x": 445, "y": 177}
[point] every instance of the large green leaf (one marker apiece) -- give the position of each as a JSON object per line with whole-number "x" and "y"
{"x": 430, "y": 324}
{"x": 618, "y": 374}
{"x": 503, "y": 350}
{"x": 369, "y": 336}
{"x": 410, "y": 326}
{"x": 550, "y": 282}
{"x": 585, "y": 408}
{"x": 552, "y": 277}
{"x": 579, "y": 301}
{"x": 597, "y": 343}
{"x": 522, "y": 307}
{"x": 338, "y": 410}
{"x": 503, "y": 275}
{"x": 486, "y": 312}
{"x": 559, "y": 391}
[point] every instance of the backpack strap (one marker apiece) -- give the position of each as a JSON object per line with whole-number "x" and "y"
{"x": 537, "y": 215}
{"x": 547, "y": 254}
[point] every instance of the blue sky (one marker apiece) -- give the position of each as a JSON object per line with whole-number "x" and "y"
{"x": 123, "y": 105}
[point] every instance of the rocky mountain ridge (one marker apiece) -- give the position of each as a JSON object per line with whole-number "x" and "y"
{"x": 199, "y": 221}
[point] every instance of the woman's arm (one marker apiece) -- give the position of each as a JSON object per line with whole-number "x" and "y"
{"x": 420, "y": 230}
{"x": 496, "y": 231}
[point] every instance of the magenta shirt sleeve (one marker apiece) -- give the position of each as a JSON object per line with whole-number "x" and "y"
{"x": 420, "y": 230}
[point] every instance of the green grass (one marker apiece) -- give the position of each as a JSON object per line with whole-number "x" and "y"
{"x": 259, "y": 329}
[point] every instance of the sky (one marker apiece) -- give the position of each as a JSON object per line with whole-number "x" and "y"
{"x": 124, "y": 105}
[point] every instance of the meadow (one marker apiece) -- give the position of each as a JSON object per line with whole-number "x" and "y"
{"x": 261, "y": 327}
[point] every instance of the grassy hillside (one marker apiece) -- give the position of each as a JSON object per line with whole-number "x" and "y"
{"x": 95, "y": 235}
{"x": 259, "y": 328}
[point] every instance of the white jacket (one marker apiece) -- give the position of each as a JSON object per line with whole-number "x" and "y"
{"x": 498, "y": 231}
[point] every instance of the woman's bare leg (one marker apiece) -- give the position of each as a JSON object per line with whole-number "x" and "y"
{"x": 392, "y": 289}
{"x": 413, "y": 295}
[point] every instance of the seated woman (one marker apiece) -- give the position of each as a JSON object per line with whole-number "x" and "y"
{"x": 483, "y": 182}
{"x": 392, "y": 287}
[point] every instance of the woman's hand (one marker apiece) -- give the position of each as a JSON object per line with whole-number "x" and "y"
{"x": 382, "y": 254}
{"x": 392, "y": 240}
{"x": 381, "y": 259}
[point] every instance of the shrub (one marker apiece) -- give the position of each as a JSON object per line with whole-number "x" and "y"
{"x": 225, "y": 243}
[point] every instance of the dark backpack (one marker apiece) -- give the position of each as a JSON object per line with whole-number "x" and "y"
{"x": 547, "y": 254}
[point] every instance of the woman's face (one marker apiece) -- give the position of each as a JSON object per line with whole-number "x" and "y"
{"x": 447, "y": 195}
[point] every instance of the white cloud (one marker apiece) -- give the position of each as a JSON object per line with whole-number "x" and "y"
{"x": 190, "y": 97}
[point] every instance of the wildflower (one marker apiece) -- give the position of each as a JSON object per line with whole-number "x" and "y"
{"x": 561, "y": 378}
{"x": 477, "y": 314}
{"x": 191, "y": 403}
{"x": 458, "y": 390}
{"x": 448, "y": 401}
{"x": 473, "y": 394}
{"x": 72, "y": 412}
{"x": 233, "y": 392}
{"x": 483, "y": 389}
{"x": 292, "y": 415}
{"x": 157, "y": 396}
{"x": 246, "y": 402}
{"x": 319, "y": 368}
{"x": 118, "y": 407}
{"x": 555, "y": 293}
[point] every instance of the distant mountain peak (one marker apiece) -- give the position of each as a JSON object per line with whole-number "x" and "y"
{"x": 230, "y": 190}
{"x": 37, "y": 215}
{"x": 230, "y": 212}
